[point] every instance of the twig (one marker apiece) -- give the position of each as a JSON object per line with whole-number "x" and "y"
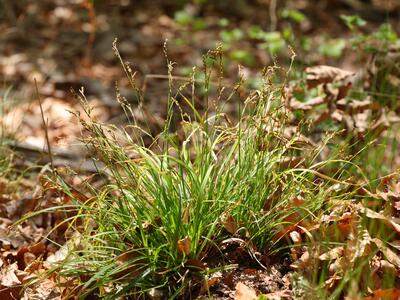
{"x": 272, "y": 14}
{"x": 46, "y": 131}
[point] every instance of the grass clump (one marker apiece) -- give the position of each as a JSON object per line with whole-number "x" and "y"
{"x": 170, "y": 205}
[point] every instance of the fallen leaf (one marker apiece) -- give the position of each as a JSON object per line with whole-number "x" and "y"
{"x": 230, "y": 225}
{"x": 390, "y": 255}
{"x": 356, "y": 106}
{"x": 295, "y": 237}
{"x": 131, "y": 263}
{"x": 310, "y": 104}
{"x": 184, "y": 246}
{"x": 243, "y": 292}
{"x": 325, "y": 74}
{"x": 43, "y": 290}
{"x": 360, "y": 247}
{"x": 302, "y": 262}
{"x": 332, "y": 254}
{"x": 195, "y": 264}
{"x": 8, "y": 277}
{"x": 59, "y": 255}
{"x": 369, "y": 213}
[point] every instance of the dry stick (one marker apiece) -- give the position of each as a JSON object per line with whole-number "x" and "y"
{"x": 92, "y": 34}
{"x": 272, "y": 15}
{"x": 45, "y": 126}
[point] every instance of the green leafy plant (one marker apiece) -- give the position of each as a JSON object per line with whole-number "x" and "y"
{"x": 353, "y": 22}
{"x": 293, "y": 14}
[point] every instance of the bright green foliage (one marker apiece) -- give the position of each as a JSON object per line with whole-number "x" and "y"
{"x": 353, "y": 22}
{"x": 293, "y": 14}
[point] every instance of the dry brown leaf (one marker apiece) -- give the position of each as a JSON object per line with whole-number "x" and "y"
{"x": 388, "y": 294}
{"x": 195, "y": 264}
{"x": 230, "y": 225}
{"x": 44, "y": 290}
{"x": 338, "y": 266}
{"x": 133, "y": 268}
{"x": 395, "y": 244}
{"x": 302, "y": 262}
{"x": 284, "y": 294}
{"x": 389, "y": 188}
{"x": 233, "y": 241}
{"x": 342, "y": 228}
{"x": 332, "y": 254}
{"x": 390, "y": 255}
{"x": 332, "y": 282}
{"x": 325, "y": 74}
{"x": 10, "y": 293}
{"x": 374, "y": 215}
{"x": 295, "y": 237}
{"x": 184, "y": 245}
{"x": 59, "y": 255}
{"x": 243, "y": 292}
{"x": 272, "y": 198}
{"x": 360, "y": 247}
{"x": 387, "y": 267}
{"x": 8, "y": 277}
{"x": 356, "y": 106}
{"x": 297, "y": 105}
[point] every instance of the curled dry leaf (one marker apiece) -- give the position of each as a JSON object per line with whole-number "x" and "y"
{"x": 360, "y": 247}
{"x": 59, "y": 255}
{"x": 243, "y": 292}
{"x": 390, "y": 255}
{"x": 325, "y": 74}
{"x": 230, "y": 225}
{"x": 8, "y": 277}
{"x": 357, "y": 106}
{"x": 332, "y": 282}
{"x": 387, "y": 267}
{"x": 369, "y": 213}
{"x": 332, "y": 254}
{"x": 389, "y": 188}
{"x": 342, "y": 228}
{"x": 310, "y": 104}
{"x": 184, "y": 246}
{"x": 44, "y": 290}
{"x": 302, "y": 262}
{"x": 295, "y": 237}
{"x": 338, "y": 266}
